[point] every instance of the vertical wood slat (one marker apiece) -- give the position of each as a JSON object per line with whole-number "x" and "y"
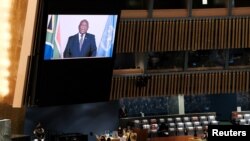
{"x": 199, "y": 34}
{"x": 192, "y": 84}
{"x": 247, "y": 82}
{"x": 229, "y": 34}
{"x": 212, "y": 34}
{"x": 162, "y": 85}
{"x": 206, "y": 79}
{"x": 219, "y": 32}
{"x": 236, "y": 33}
{"x": 163, "y": 36}
{"x": 229, "y": 88}
{"x": 215, "y": 45}
{"x": 175, "y": 84}
{"x": 130, "y": 86}
{"x": 233, "y": 82}
{"x": 170, "y": 35}
{"x": 156, "y": 91}
{"x": 125, "y": 33}
{"x": 223, "y": 82}
{"x": 148, "y": 87}
{"x": 209, "y": 83}
{"x": 207, "y": 35}
{"x": 185, "y": 45}
{"x": 215, "y": 83}
{"x": 202, "y": 83}
{"x": 199, "y": 84}
{"x": 233, "y": 33}
{"x": 138, "y": 34}
{"x": 141, "y": 35}
{"x": 243, "y": 33}
{"x": 185, "y": 84}
{"x": 154, "y": 34}
{"x": 132, "y": 36}
{"x": 181, "y": 45}
{"x": 225, "y": 34}
{"x": 222, "y": 34}
{"x": 182, "y": 84}
{"x": 203, "y": 33}
{"x": 193, "y": 35}
{"x": 243, "y": 81}
{"x": 169, "y": 84}
{"x": 134, "y": 94}
{"x": 212, "y": 83}
{"x": 158, "y": 85}
{"x": 146, "y": 34}
{"x": 177, "y": 27}
{"x": 166, "y": 41}
{"x": 239, "y": 33}
{"x": 120, "y": 86}
{"x": 226, "y": 83}
{"x": 196, "y": 34}
{"x": 128, "y": 25}
{"x": 196, "y": 83}
{"x": 247, "y": 33}
{"x": 237, "y": 77}
{"x": 179, "y": 37}
{"x": 219, "y": 83}
{"x": 158, "y": 38}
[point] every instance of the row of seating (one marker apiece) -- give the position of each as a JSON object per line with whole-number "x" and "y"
{"x": 176, "y": 125}
{"x": 242, "y": 119}
{"x": 175, "y": 119}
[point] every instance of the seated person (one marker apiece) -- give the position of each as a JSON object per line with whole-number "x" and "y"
{"x": 102, "y": 138}
{"x": 131, "y": 135}
{"x": 39, "y": 132}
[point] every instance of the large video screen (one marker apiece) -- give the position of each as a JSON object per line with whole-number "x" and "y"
{"x": 73, "y": 52}
{"x": 79, "y": 36}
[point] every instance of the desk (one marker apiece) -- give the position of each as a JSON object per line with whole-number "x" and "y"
{"x": 114, "y": 139}
{"x": 176, "y": 138}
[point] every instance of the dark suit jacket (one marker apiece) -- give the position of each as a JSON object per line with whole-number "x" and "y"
{"x": 88, "y": 48}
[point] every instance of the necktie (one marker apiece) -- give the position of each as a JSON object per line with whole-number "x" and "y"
{"x": 81, "y": 42}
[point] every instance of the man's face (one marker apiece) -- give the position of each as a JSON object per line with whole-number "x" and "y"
{"x": 83, "y": 27}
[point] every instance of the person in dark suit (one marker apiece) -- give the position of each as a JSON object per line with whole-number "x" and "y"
{"x": 122, "y": 111}
{"x": 39, "y": 132}
{"x": 81, "y": 44}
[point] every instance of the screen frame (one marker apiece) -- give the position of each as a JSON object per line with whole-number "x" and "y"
{"x": 63, "y": 26}
{"x": 98, "y": 71}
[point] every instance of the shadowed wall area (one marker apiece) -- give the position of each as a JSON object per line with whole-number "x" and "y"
{"x": 80, "y": 118}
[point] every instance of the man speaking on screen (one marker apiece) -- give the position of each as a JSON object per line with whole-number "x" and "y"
{"x": 82, "y": 44}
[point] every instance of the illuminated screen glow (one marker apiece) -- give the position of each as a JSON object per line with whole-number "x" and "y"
{"x": 61, "y": 27}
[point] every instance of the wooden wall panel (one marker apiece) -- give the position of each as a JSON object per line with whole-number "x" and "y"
{"x": 159, "y": 35}
{"x": 218, "y": 82}
{"x": 17, "y": 22}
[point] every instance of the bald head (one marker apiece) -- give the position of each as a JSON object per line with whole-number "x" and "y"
{"x": 83, "y": 26}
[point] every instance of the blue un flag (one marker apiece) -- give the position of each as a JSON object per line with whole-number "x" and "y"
{"x": 107, "y": 41}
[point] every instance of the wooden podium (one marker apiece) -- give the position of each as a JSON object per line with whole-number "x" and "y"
{"x": 5, "y": 130}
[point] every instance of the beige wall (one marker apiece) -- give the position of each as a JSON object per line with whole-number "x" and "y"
{"x": 18, "y": 16}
